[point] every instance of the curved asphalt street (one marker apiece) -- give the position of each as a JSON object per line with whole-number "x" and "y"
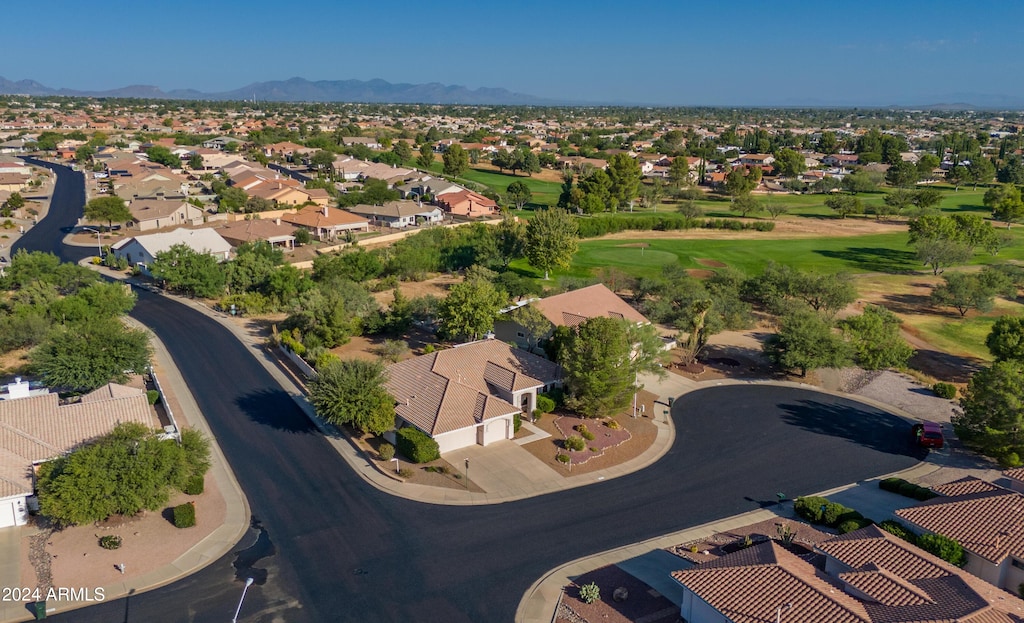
{"x": 333, "y": 548}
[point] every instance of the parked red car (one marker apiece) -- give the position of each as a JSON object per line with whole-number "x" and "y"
{"x": 928, "y": 435}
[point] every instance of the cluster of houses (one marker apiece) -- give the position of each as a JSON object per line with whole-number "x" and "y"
{"x": 871, "y": 576}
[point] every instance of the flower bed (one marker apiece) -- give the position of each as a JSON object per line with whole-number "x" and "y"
{"x": 603, "y": 437}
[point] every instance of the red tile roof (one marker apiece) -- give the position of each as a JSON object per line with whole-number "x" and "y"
{"x": 572, "y": 308}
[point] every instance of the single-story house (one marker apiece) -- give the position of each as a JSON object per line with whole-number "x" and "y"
{"x": 142, "y": 250}
{"x": 37, "y": 428}
{"x": 467, "y": 203}
{"x": 399, "y": 214}
{"x": 13, "y": 182}
{"x": 985, "y": 519}
{"x": 274, "y": 232}
{"x": 149, "y": 214}
{"x": 470, "y": 394}
{"x": 864, "y": 576}
{"x": 569, "y": 309}
{"x": 325, "y": 223}
{"x": 840, "y": 160}
{"x": 756, "y": 160}
{"x": 221, "y": 142}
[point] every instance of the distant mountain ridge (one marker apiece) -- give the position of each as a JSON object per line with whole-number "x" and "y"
{"x": 301, "y": 90}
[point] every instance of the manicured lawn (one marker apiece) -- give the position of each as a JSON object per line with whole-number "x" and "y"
{"x": 543, "y": 192}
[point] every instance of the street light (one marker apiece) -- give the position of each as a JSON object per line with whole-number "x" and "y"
{"x": 248, "y": 583}
{"x": 99, "y": 242}
{"x": 467, "y": 474}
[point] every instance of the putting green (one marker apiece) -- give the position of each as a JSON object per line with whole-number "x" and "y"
{"x": 632, "y": 256}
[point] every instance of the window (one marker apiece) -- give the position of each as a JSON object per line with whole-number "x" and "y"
{"x": 520, "y": 334}
{"x": 1017, "y": 563}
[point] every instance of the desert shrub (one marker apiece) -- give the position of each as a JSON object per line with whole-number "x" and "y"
{"x": 613, "y": 424}
{"x": 417, "y": 446}
{"x": 195, "y": 485}
{"x": 1009, "y": 460}
{"x": 562, "y": 458}
{"x": 405, "y": 472}
{"x": 536, "y": 414}
{"x": 184, "y": 515}
{"x": 853, "y": 524}
{"x": 429, "y": 348}
{"x": 153, "y": 396}
{"x": 832, "y": 513}
{"x": 590, "y": 593}
{"x": 386, "y": 451}
{"x": 574, "y": 442}
{"x": 517, "y": 422}
{"x": 944, "y": 390}
{"x": 545, "y": 404}
{"x": 585, "y": 432}
{"x": 895, "y": 528}
{"x": 943, "y": 547}
{"x": 110, "y": 541}
{"x": 809, "y": 507}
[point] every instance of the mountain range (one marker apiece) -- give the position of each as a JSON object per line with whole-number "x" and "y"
{"x": 302, "y": 90}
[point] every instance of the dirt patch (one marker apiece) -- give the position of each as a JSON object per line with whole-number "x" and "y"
{"x": 640, "y": 604}
{"x": 700, "y": 273}
{"x": 642, "y": 430}
{"x": 439, "y": 473}
{"x": 13, "y": 362}
{"x": 606, "y": 435}
{"x": 436, "y": 286}
{"x": 795, "y": 227}
{"x": 710, "y": 263}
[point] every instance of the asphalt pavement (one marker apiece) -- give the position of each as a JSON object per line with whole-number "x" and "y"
{"x": 327, "y": 546}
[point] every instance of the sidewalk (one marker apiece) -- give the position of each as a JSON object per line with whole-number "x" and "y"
{"x": 211, "y": 548}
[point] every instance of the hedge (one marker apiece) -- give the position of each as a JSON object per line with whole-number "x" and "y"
{"x": 194, "y": 485}
{"x": 943, "y": 547}
{"x": 417, "y": 446}
{"x": 153, "y": 396}
{"x": 895, "y": 528}
{"x": 906, "y": 489}
{"x": 819, "y": 510}
{"x": 596, "y": 226}
{"x": 184, "y": 515}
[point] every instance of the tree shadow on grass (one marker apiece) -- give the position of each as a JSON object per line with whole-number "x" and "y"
{"x": 908, "y": 303}
{"x": 874, "y": 259}
{"x": 864, "y": 425}
{"x": 276, "y": 409}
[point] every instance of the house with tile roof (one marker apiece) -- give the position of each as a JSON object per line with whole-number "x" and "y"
{"x": 271, "y": 231}
{"x": 467, "y": 203}
{"x": 399, "y": 214}
{"x": 469, "y": 395}
{"x": 326, "y": 223}
{"x": 149, "y": 214}
{"x": 39, "y": 428}
{"x": 865, "y": 576}
{"x": 986, "y": 519}
{"x": 570, "y": 309}
{"x": 142, "y": 250}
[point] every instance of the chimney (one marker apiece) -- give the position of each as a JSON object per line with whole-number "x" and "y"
{"x": 277, "y": 221}
{"x": 326, "y": 211}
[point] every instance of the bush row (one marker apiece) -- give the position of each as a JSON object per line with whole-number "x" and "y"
{"x": 601, "y": 225}
{"x": 936, "y": 544}
{"x": 906, "y": 489}
{"x": 819, "y": 510}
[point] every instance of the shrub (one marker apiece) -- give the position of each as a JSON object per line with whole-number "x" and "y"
{"x": 890, "y": 484}
{"x": 923, "y": 493}
{"x": 895, "y": 528}
{"x": 944, "y": 390}
{"x": 386, "y": 451}
{"x": 562, "y": 458}
{"x": 545, "y": 404}
{"x": 1009, "y": 460}
{"x": 153, "y": 396}
{"x": 429, "y": 348}
{"x": 536, "y": 414}
{"x": 184, "y": 515}
{"x": 943, "y": 547}
{"x": 110, "y": 541}
{"x": 517, "y": 422}
{"x": 613, "y": 424}
{"x": 557, "y": 394}
{"x": 574, "y": 442}
{"x": 417, "y": 446}
{"x": 195, "y": 485}
{"x": 585, "y": 432}
{"x": 809, "y": 508}
{"x": 907, "y": 489}
{"x": 590, "y": 593}
{"x": 405, "y": 472}
{"x": 832, "y": 513}
{"x": 853, "y": 524}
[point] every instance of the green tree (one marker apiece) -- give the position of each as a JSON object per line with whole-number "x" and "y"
{"x": 875, "y": 338}
{"x": 85, "y": 355}
{"x": 981, "y": 171}
{"x": 805, "y": 341}
{"x": 902, "y": 174}
{"x": 845, "y": 205}
{"x": 510, "y": 240}
{"x": 992, "y": 412}
{"x": 596, "y": 361}
{"x": 943, "y": 241}
{"x": 110, "y": 209}
{"x": 551, "y": 240}
{"x": 163, "y": 155}
{"x": 858, "y": 182}
{"x": 624, "y": 174}
{"x": 84, "y": 153}
{"x": 126, "y": 471}
{"x": 679, "y": 172}
{"x": 535, "y": 324}
{"x": 195, "y": 162}
{"x": 1006, "y": 339}
{"x": 518, "y": 193}
{"x": 745, "y": 205}
{"x": 824, "y": 292}
{"x": 189, "y": 272}
{"x": 322, "y": 160}
{"x": 456, "y": 160}
{"x": 967, "y": 291}
{"x": 353, "y": 392}
{"x": 958, "y": 175}
{"x": 470, "y": 309}
{"x": 739, "y": 181}
{"x": 789, "y": 163}
{"x": 402, "y": 150}
{"x": 1005, "y": 203}
{"x": 15, "y": 201}
{"x": 425, "y": 157}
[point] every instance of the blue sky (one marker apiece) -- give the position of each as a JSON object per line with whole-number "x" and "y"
{"x": 658, "y": 52}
